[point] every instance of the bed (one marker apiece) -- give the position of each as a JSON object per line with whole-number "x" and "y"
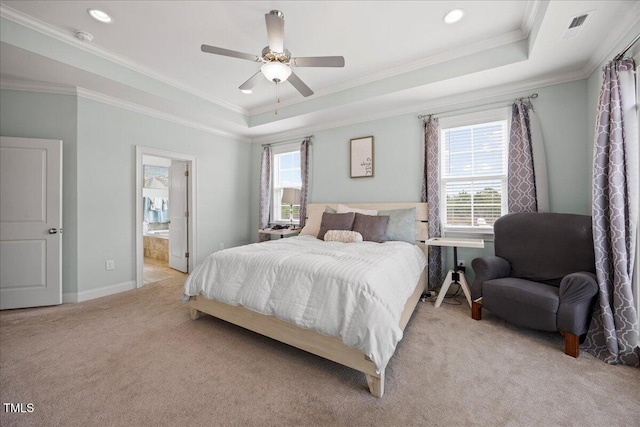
{"x": 286, "y": 289}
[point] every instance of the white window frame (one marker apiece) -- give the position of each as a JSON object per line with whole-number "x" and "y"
{"x": 483, "y": 232}
{"x": 276, "y": 190}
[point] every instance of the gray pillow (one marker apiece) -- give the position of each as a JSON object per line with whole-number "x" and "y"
{"x": 402, "y": 225}
{"x": 371, "y": 227}
{"x": 335, "y": 221}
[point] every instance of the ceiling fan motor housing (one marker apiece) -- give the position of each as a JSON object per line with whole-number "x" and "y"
{"x": 269, "y": 56}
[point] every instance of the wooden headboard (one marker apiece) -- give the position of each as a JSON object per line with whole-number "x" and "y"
{"x": 315, "y": 210}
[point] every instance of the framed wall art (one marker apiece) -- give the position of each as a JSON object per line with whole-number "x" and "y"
{"x": 156, "y": 176}
{"x": 361, "y": 150}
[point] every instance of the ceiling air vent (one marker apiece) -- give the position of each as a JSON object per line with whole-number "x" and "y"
{"x": 576, "y": 25}
{"x": 577, "y": 21}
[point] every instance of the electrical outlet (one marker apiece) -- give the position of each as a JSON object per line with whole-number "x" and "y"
{"x": 109, "y": 265}
{"x": 221, "y": 246}
{"x": 461, "y": 263}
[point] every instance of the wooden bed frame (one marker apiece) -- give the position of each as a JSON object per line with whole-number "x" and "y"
{"x": 311, "y": 341}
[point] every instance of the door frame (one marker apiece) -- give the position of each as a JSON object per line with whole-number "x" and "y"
{"x": 191, "y": 161}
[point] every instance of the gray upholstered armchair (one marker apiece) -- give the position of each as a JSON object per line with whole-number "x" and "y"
{"x": 543, "y": 274}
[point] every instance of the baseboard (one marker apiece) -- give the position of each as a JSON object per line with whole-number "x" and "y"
{"x": 97, "y": 293}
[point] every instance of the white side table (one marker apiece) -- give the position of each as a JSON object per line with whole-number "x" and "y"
{"x": 455, "y": 275}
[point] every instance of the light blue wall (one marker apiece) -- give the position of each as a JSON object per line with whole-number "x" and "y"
{"x": 49, "y": 116}
{"x": 107, "y": 137}
{"x": 562, "y": 112}
{"x": 99, "y": 180}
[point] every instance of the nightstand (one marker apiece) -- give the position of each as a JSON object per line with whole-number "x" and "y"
{"x": 456, "y": 275}
{"x": 281, "y": 233}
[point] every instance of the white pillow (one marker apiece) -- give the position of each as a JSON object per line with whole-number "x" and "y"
{"x": 344, "y": 236}
{"x": 347, "y": 209}
{"x": 312, "y": 226}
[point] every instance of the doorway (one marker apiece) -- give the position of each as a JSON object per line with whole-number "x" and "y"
{"x": 165, "y": 214}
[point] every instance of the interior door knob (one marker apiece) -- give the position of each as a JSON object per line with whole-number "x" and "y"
{"x": 53, "y": 230}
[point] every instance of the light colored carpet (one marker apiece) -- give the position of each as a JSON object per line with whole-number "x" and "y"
{"x": 136, "y": 359}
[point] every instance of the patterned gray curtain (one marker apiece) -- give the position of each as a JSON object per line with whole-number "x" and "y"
{"x": 304, "y": 175}
{"x": 431, "y": 195}
{"x": 613, "y": 333}
{"x": 521, "y": 183}
{"x": 265, "y": 192}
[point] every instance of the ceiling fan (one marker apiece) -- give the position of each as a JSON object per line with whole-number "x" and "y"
{"x": 277, "y": 60}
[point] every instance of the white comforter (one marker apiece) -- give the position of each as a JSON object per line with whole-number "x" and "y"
{"x": 354, "y": 291}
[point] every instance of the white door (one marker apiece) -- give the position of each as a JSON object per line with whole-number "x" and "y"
{"x": 179, "y": 216}
{"x": 30, "y": 222}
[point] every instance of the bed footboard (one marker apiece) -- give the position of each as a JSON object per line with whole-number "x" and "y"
{"x": 305, "y": 339}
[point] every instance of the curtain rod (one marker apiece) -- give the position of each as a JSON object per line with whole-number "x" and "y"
{"x": 424, "y": 116}
{"x": 288, "y": 140}
{"x": 619, "y": 56}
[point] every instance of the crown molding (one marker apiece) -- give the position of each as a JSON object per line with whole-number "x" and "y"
{"x": 52, "y": 88}
{"x": 529, "y": 16}
{"x": 119, "y": 103}
{"x": 50, "y": 31}
{"x": 491, "y": 43}
{"x": 58, "y": 89}
{"x": 502, "y": 93}
{"x": 461, "y": 102}
{"x": 608, "y": 48}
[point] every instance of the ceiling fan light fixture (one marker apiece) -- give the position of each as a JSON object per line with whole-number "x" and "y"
{"x": 100, "y": 16}
{"x": 276, "y": 71}
{"x": 246, "y": 91}
{"x": 454, "y": 16}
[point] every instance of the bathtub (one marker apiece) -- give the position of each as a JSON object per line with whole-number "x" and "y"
{"x": 162, "y": 234}
{"x": 156, "y": 244}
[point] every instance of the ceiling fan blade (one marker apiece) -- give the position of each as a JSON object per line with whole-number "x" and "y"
{"x": 318, "y": 61}
{"x": 226, "y": 52}
{"x": 275, "y": 30}
{"x": 299, "y": 85}
{"x": 249, "y": 84}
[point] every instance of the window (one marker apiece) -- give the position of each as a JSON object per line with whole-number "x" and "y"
{"x": 286, "y": 174}
{"x": 473, "y": 172}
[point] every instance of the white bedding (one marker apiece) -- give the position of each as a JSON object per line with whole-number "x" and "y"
{"x": 354, "y": 291}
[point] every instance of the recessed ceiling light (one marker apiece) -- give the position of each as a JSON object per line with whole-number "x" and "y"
{"x": 454, "y": 16}
{"x": 247, "y": 91}
{"x": 99, "y": 15}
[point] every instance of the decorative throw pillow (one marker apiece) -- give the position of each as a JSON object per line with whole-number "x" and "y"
{"x": 345, "y": 209}
{"x": 335, "y": 221}
{"x": 344, "y": 236}
{"x": 312, "y": 226}
{"x": 371, "y": 227}
{"x": 402, "y": 225}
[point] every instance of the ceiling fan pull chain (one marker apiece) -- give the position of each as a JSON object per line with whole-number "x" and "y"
{"x": 277, "y": 97}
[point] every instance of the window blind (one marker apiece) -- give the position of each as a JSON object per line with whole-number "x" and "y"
{"x": 473, "y": 174}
